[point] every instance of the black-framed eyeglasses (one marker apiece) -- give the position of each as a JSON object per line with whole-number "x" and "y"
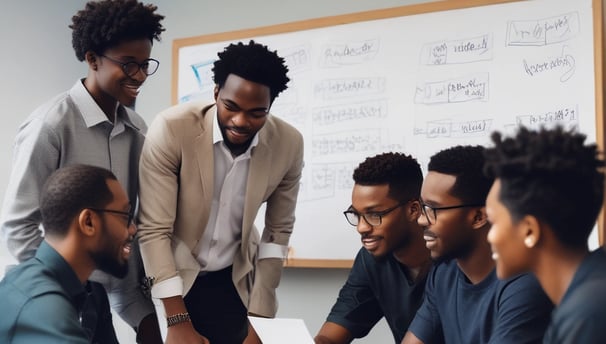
{"x": 373, "y": 218}
{"x": 431, "y": 213}
{"x": 129, "y": 214}
{"x": 131, "y": 68}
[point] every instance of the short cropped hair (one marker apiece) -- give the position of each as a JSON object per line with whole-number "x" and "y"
{"x": 253, "y": 62}
{"x": 107, "y": 23}
{"x": 401, "y": 172}
{"x": 552, "y": 175}
{"x": 68, "y": 191}
{"x": 466, "y": 163}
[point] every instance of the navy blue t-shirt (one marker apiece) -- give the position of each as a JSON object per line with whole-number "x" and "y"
{"x": 581, "y": 315}
{"x": 377, "y": 288}
{"x": 493, "y": 311}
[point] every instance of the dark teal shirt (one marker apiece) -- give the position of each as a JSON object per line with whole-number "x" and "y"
{"x": 41, "y": 301}
{"x": 580, "y": 316}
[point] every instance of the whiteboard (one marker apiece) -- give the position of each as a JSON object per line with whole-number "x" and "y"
{"x": 415, "y": 83}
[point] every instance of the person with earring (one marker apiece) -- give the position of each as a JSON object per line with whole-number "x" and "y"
{"x": 543, "y": 205}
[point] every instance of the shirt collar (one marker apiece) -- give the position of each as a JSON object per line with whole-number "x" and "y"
{"x": 90, "y": 110}
{"x": 591, "y": 263}
{"x": 65, "y": 275}
{"x": 124, "y": 116}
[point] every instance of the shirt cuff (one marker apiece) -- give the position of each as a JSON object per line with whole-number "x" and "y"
{"x": 271, "y": 250}
{"x": 168, "y": 288}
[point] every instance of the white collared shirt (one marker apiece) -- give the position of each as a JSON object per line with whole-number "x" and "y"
{"x": 223, "y": 232}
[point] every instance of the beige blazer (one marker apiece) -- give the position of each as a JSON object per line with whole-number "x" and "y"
{"x": 176, "y": 189}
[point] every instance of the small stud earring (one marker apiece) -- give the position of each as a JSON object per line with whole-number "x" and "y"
{"x": 529, "y": 242}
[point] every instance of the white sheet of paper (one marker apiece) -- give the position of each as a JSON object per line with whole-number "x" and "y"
{"x": 281, "y": 330}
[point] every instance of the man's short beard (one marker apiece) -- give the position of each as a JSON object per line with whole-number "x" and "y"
{"x": 460, "y": 252}
{"x": 110, "y": 265}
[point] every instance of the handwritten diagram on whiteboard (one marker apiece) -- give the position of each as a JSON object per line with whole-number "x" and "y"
{"x": 416, "y": 84}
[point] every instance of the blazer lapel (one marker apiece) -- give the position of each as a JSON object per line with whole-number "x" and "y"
{"x": 204, "y": 154}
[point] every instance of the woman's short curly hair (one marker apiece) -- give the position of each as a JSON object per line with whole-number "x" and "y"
{"x": 253, "y": 62}
{"x": 104, "y": 24}
{"x": 552, "y": 175}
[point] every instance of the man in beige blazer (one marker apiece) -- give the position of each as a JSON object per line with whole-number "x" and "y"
{"x": 205, "y": 170}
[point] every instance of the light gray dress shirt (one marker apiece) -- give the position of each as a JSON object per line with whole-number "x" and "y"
{"x": 72, "y": 129}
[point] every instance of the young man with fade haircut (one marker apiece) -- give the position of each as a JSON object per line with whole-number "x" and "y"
{"x": 206, "y": 168}
{"x": 543, "y": 205}
{"x": 465, "y": 302}
{"x": 91, "y": 124}
{"x": 388, "y": 275}
{"x": 87, "y": 218}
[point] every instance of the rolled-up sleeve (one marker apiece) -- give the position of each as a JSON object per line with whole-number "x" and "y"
{"x": 279, "y": 223}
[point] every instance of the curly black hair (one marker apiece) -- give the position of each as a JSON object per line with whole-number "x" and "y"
{"x": 466, "y": 163}
{"x": 402, "y": 173}
{"x": 253, "y": 62}
{"x": 552, "y": 175}
{"x": 104, "y": 24}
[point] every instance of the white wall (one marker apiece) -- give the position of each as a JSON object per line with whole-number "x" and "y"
{"x": 37, "y": 62}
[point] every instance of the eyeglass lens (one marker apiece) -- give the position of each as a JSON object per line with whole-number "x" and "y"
{"x": 148, "y": 67}
{"x": 430, "y": 214}
{"x": 371, "y": 219}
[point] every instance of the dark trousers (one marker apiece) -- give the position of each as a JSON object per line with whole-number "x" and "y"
{"x": 216, "y": 309}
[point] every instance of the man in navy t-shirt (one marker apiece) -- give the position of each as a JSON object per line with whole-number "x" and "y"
{"x": 388, "y": 275}
{"x": 543, "y": 205}
{"x": 464, "y": 301}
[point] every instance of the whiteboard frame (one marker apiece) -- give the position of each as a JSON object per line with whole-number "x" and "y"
{"x": 599, "y": 35}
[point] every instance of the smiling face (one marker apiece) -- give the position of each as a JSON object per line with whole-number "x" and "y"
{"x": 242, "y": 110}
{"x": 452, "y": 234}
{"x": 108, "y": 83}
{"x": 505, "y": 237}
{"x": 115, "y": 237}
{"x": 393, "y": 233}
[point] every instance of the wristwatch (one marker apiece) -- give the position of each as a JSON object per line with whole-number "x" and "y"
{"x": 177, "y": 319}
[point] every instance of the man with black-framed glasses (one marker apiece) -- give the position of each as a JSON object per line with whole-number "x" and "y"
{"x": 388, "y": 275}
{"x": 464, "y": 301}
{"x": 91, "y": 123}
{"x": 87, "y": 221}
